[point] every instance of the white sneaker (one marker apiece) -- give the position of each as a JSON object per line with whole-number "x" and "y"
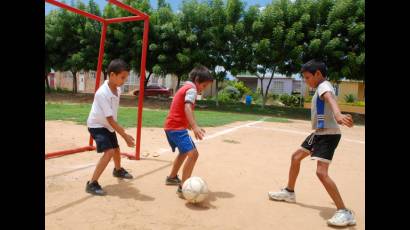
{"x": 283, "y": 194}
{"x": 342, "y": 217}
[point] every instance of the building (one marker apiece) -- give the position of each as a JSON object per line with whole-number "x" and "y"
{"x": 280, "y": 84}
{"x": 343, "y": 88}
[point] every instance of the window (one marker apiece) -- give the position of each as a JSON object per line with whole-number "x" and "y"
{"x": 278, "y": 87}
{"x": 297, "y": 86}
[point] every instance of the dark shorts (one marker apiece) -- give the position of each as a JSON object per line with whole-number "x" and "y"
{"x": 104, "y": 139}
{"x": 180, "y": 139}
{"x": 321, "y": 147}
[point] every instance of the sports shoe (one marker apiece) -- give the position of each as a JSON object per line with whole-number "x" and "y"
{"x": 94, "y": 188}
{"x": 342, "y": 217}
{"x": 284, "y": 195}
{"x": 121, "y": 173}
{"x": 173, "y": 181}
{"x": 179, "y": 192}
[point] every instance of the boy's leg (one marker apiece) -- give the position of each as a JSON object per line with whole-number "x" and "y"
{"x": 117, "y": 158}
{"x": 343, "y": 216}
{"x": 297, "y": 157}
{"x": 102, "y": 164}
{"x": 177, "y": 165}
{"x": 330, "y": 186}
{"x": 118, "y": 170}
{"x": 288, "y": 194}
{"x": 189, "y": 164}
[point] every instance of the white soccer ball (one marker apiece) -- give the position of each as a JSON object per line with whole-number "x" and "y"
{"x": 195, "y": 189}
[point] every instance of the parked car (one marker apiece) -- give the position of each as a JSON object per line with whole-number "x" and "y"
{"x": 155, "y": 90}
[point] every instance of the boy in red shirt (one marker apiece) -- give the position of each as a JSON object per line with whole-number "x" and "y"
{"x": 181, "y": 118}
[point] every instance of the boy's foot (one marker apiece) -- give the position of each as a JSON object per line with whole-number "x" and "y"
{"x": 94, "y": 188}
{"x": 342, "y": 217}
{"x": 121, "y": 173}
{"x": 173, "y": 181}
{"x": 284, "y": 195}
{"x": 179, "y": 192}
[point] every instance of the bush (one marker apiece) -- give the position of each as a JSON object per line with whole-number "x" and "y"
{"x": 350, "y": 98}
{"x": 243, "y": 90}
{"x": 275, "y": 97}
{"x": 225, "y": 97}
{"x": 229, "y": 94}
{"x": 291, "y": 100}
{"x": 308, "y": 99}
{"x": 359, "y": 103}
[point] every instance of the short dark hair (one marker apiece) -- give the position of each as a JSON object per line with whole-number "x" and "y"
{"x": 200, "y": 73}
{"x": 314, "y": 65}
{"x": 117, "y": 66}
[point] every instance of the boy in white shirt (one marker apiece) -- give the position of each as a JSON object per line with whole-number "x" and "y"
{"x": 102, "y": 125}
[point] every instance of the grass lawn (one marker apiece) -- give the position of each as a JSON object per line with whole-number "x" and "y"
{"x": 151, "y": 118}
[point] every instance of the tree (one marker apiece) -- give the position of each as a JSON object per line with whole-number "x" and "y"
{"x": 61, "y": 39}
{"x": 217, "y": 36}
{"x": 278, "y": 48}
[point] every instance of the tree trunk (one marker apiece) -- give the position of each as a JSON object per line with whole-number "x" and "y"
{"x": 178, "y": 82}
{"x": 74, "y": 81}
{"x": 147, "y": 80}
{"x": 47, "y": 84}
{"x": 265, "y": 97}
{"x": 216, "y": 86}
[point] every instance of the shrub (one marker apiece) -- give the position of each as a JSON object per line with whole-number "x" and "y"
{"x": 291, "y": 100}
{"x": 350, "y": 98}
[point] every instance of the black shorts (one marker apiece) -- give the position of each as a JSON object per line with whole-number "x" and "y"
{"x": 104, "y": 139}
{"x": 321, "y": 147}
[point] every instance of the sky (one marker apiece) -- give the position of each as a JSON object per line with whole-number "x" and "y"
{"x": 175, "y": 4}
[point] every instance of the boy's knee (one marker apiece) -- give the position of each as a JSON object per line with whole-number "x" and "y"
{"x": 193, "y": 154}
{"x": 321, "y": 174}
{"x": 297, "y": 156}
{"x": 109, "y": 153}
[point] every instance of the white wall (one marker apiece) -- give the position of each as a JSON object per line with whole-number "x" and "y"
{"x": 278, "y": 85}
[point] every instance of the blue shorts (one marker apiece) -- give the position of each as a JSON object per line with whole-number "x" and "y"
{"x": 180, "y": 139}
{"x": 104, "y": 139}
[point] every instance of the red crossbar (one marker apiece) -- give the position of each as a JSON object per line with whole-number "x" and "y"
{"x": 128, "y": 8}
{"x": 70, "y": 151}
{"x": 124, "y": 19}
{"x": 77, "y": 11}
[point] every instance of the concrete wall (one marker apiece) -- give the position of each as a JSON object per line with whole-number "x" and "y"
{"x": 345, "y": 88}
{"x": 278, "y": 85}
{"x": 64, "y": 80}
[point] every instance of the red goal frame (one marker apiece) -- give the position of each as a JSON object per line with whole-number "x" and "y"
{"x": 139, "y": 16}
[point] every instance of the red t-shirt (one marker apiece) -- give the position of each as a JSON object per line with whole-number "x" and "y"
{"x": 176, "y": 119}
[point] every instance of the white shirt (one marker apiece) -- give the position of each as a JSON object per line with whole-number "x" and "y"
{"x": 331, "y": 126}
{"x": 105, "y": 105}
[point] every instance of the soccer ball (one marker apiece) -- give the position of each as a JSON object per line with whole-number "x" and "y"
{"x": 195, "y": 189}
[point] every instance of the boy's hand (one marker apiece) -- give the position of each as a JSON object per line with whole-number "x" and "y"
{"x": 199, "y": 133}
{"x": 130, "y": 140}
{"x": 344, "y": 119}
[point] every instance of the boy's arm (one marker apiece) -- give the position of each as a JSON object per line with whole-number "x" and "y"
{"x": 342, "y": 119}
{"x": 120, "y": 130}
{"x": 199, "y": 133}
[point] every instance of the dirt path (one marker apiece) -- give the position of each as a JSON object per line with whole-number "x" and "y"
{"x": 241, "y": 162}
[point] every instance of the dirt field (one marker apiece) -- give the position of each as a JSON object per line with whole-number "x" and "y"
{"x": 241, "y": 162}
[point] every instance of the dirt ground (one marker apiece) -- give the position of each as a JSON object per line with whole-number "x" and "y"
{"x": 241, "y": 162}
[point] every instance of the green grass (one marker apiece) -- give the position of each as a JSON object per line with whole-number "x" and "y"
{"x": 269, "y": 110}
{"x": 127, "y": 117}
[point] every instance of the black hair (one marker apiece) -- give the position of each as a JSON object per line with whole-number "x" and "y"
{"x": 117, "y": 66}
{"x": 201, "y": 74}
{"x": 314, "y": 65}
